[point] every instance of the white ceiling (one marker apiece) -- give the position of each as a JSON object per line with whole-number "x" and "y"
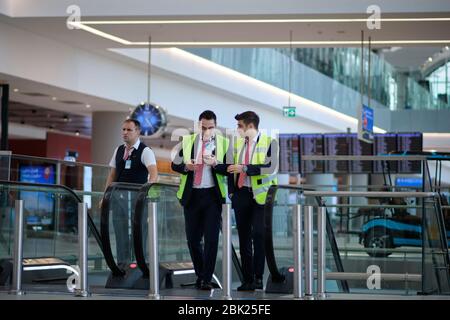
{"x": 57, "y": 8}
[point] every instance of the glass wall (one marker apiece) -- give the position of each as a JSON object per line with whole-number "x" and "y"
{"x": 341, "y": 65}
{"x": 440, "y": 84}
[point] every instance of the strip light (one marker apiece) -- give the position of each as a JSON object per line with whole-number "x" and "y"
{"x": 217, "y": 21}
{"x": 80, "y": 25}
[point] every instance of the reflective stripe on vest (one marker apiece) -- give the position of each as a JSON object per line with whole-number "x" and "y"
{"x": 261, "y": 183}
{"x": 221, "y": 149}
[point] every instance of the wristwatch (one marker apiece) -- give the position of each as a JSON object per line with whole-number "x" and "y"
{"x": 244, "y": 168}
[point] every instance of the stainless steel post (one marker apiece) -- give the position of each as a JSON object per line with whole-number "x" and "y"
{"x": 226, "y": 249}
{"x": 18, "y": 250}
{"x": 321, "y": 250}
{"x": 83, "y": 250}
{"x": 309, "y": 276}
{"x": 153, "y": 251}
{"x": 297, "y": 224}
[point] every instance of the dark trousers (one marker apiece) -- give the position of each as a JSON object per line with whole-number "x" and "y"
{"x": 122, "y": 210}
{"x": 250, "y": 225}
{"x": 202, "y": 218}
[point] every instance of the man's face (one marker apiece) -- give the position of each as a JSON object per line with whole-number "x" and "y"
{"x": 208, "y": 128}
{"x": 245, "y": 130}
{"x": 130, "y": 133}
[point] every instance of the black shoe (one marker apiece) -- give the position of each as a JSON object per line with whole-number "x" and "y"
{"x": 198, "y": 283}
{"x": 246, "y": 286}
{"x": 206, "y": 285}
{"x": 258, "y": 284}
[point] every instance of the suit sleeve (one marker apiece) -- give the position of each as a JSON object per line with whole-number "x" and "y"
{"x": 222, "y": 164}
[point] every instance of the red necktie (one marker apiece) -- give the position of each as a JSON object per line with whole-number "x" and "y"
{"x": 199, "y": 169}
{"x": 243, "y": 175}
{"x": 126, "y": 153}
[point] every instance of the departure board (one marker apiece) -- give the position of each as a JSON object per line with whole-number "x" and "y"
{"x": 336, "y": 144}
{"x": 289, "y": 153}
{"x": 411, "y": 143}
{"x": 360, "y": 148}
{"x": 385, "y": 143}
{"x": 311, "y": 145}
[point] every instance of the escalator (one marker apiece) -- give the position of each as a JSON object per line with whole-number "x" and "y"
{"x": 387, "y": 267}
{"x": 174, "y": 257}
{"x": 50, "y": 232}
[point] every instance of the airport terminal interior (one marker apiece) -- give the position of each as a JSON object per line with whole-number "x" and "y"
{"x": 355, "y": 95}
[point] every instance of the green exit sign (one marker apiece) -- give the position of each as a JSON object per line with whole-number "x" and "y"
{"x": 289, "y": 112}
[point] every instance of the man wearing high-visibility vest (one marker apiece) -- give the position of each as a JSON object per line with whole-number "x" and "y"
{"x": 202, "y": 191}
{"x": 254, "y": 171}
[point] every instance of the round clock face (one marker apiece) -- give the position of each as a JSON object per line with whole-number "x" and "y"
{"x": 151, "y": 117}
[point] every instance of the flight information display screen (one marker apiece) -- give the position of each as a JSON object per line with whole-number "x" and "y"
{"x": 411, "y": 143}
{"x": 360, "y": 148}
{"x": 289, "y": 157}
{"x": 293, "y": 147}
{"x": 336, "y": 144}
{"x": 311, "y": 145}
{"x": 385, "y": 143}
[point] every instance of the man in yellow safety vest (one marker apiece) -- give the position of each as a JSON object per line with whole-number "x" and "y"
{"x": 253, "y": 172}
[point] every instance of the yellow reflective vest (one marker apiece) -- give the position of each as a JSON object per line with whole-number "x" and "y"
{"x": 221, "y": 149}
{"x": 260, "y": 183}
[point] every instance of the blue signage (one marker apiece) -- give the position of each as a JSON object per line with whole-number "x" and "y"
{"x": 409, "y": 182}
{"x": 365, "y": 127}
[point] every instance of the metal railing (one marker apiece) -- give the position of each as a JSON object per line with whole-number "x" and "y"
{"x": 321, "y": 275}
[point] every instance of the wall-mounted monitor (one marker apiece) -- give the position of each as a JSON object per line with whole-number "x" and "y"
{"x": 39, "y": 206}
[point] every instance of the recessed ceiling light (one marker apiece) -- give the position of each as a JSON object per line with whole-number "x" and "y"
{"x": 430, "y": 59}
{"x": 77, "y": 133}
{"x": 88, "y": 106}
{"x": 16, "y": 90}
{"x": 54, "y": 98}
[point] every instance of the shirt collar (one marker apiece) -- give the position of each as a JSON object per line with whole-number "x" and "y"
{"x": 255, "y": 138}
{"x": 136, "y": 145}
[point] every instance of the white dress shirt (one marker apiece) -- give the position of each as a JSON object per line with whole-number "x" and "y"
{"x": 147, "y": 157}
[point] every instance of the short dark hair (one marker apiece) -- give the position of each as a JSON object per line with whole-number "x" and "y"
{"x": 208, "y": 115}
{"x": 248, "y": 117}
{"x": 136, "y": 123}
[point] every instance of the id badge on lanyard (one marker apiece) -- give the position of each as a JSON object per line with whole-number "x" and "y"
{"x": 127, "y": 164}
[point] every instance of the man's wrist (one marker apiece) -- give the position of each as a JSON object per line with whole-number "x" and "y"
{"x": 244, "y": 168}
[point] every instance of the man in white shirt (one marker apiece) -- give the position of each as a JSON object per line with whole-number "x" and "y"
{"x": 132, "y": 162}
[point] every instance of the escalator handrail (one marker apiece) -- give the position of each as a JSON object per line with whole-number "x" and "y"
{"x": 91, "y": 224}
{"x": 268, "y": 238}
{"x": 270, "y": 252}
{"x": 104, "y": 223}
{"x": 137, "y": 230}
